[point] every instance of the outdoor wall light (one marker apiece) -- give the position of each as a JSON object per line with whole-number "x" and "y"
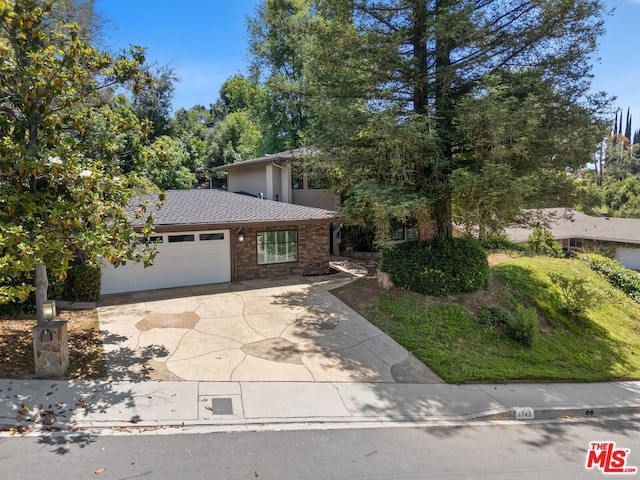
{"x": 49, "y": 310}
{"x": 241, "y": 237}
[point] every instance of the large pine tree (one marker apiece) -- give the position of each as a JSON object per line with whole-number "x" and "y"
{"x": 400, "y": 86}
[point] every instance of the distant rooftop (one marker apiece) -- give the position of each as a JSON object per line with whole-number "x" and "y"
{"x": 567, "y": 223}
{"x": 281, "y": 157}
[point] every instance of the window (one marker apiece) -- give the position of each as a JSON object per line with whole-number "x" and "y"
{"x": 181, "y": 238}
{"x": 397, "y": 234}
{"x": 277, "y": 247}
{"x": 412, "y": 233}
{"x": 297, "y": 180}
{"x": 404, "y": 231}
{"x": 211, "y": 236}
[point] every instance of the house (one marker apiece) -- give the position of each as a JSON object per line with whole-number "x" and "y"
{"x": 617, "y": 238}
{"x": 213, "y": 236}
{"x": 283, "y": 177}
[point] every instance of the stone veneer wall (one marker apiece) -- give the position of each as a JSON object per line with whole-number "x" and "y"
{"x": 313, "y": 253}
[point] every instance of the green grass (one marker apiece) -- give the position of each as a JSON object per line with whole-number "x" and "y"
{"x": 603, "y": 344}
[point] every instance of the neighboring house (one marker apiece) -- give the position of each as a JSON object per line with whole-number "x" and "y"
{"x": 282, "y": 177}
{"x": 213, "y": 236}
{"x": 617, "y": 238}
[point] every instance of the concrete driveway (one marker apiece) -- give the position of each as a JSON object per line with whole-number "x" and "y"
{"x": 288, "y": 329}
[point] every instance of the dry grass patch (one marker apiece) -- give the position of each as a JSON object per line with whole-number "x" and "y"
{"x": 86, "y": 354}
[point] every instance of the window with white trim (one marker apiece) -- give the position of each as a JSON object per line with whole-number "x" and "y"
{"x": 277, "y": 247}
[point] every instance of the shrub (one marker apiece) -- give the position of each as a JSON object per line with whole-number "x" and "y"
{"x": 491, "y": 317}
{"x": 576, "y": 296}
{"x": 523, "y": 326}
{"x": 442, "y": 266}
{"x": 83, "y": 283}
{"x": 541, "y": 241}
{"x": 620, "y": 277}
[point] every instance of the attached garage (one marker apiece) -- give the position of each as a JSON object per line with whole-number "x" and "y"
{"x": 213, "y": 236}
{"x": 184, "y": 259}
{"x": 629, "y": 257}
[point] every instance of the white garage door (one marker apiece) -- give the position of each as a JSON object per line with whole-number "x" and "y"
{"x": 629, "y": 257}
{"x": 184, "y": 259}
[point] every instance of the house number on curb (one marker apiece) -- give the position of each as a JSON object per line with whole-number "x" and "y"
{"x": 524, "y": 413}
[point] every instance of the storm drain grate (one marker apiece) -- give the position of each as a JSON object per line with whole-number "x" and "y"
{"x": 222, "y": 406}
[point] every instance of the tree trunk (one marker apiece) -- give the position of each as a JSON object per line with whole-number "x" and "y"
{"x": 443, "y": 217}
{"x": 445, "y": 130}
{"x": 42, "y": 284}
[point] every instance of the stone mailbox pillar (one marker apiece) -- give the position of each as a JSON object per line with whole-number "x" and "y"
{"x": 51, "y": 349}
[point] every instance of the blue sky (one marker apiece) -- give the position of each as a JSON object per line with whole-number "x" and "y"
{"x": 206, "y": 42}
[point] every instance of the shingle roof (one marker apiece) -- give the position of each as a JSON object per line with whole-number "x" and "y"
{"x": 218, "y": 207}
{"x": 567, "y": 223}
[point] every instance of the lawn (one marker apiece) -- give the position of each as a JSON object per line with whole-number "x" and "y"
{"x": 603, "y": 344}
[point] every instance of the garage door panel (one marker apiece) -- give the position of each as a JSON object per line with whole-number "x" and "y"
{"x": 629, "y": 257}
{"x": 177, "y": 264}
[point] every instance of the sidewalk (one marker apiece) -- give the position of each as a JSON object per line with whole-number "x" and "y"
{"x": 34, "y": 405}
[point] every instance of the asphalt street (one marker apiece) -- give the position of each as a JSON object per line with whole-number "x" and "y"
{"x": 547, "y": 450}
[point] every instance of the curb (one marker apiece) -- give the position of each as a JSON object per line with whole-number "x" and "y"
{"x": 554, "y": 413}
{"x": 32, "y": 428}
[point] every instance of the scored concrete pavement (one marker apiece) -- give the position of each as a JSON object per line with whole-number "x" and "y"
{"x": 286, "y": 329}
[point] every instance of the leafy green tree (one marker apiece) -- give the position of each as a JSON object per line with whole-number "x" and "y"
{"x": 622, "y": 197}
{"x": 237, "y": 94}
{"x": 517, "y": 117}
{"x": 57, "y": 201}
{"x": 194, "y": 130}
{"x": 237, "y": 137}
{"x": 152, "y": 102}
{"x": 112, "y": 132}
{"x": 167, "y": 165}
{"x": 588, "y": 196}
{"x": 394, "y": 84}
{"x": 278, "y": 37}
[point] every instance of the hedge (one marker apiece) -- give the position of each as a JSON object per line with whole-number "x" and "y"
{"x": 620, "y": 277}
{"x": 83, "y": 283}
{"x": 442, "y": 266}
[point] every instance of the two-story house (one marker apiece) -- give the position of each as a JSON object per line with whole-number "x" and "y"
{"x": 283, "y": 177}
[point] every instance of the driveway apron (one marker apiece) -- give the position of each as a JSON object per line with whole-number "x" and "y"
{"x": 288, "y": 329}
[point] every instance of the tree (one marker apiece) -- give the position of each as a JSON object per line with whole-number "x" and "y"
{"x": 516, "y": 117}
{"x": 193, "y": 129}
{"x": 57, "y": 201}
{"x": 622, "y": 197}
{"x": 238, "y": 94}
{"x": 392, "y": 82}
{"x": 278, "y": 34}
{"x": 237, "y": 130}
{"x": 152, "y": 102}
{"x": 167, "y": 165}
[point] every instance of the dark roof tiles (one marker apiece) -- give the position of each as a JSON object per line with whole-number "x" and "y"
{"x": 217, "y": 207}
